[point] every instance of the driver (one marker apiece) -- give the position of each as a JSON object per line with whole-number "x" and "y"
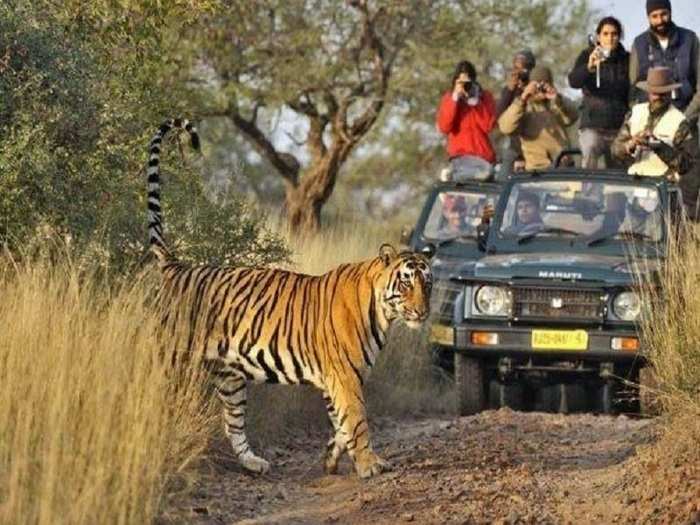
{"x": 527, "y": 215}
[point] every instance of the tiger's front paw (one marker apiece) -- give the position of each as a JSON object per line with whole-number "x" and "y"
{"x": 254, "y": 463}
{"x": 369, "y": 464}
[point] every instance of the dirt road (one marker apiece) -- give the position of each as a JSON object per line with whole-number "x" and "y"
{"x": 496, "y": 467}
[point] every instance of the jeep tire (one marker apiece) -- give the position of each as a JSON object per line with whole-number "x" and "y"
{"x": 470, "y": 385}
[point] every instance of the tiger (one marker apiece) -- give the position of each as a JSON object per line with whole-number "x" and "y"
{"x": 272, "y": 325}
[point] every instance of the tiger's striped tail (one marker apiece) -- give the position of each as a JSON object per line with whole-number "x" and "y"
{"x": 155, "y": 215}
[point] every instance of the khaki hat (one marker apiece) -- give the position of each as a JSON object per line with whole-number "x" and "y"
{"x": 541, "y": 74}
{"x": 659, "y": 80}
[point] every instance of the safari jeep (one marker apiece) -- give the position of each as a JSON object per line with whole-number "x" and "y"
{"x": 447, "y": 230}
{"x": 546, "y": 319}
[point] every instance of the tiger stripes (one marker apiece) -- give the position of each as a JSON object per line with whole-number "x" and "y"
{"x": 278, "y": 326}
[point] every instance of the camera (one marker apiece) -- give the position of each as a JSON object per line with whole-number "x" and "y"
{"x": 541, "y": 87}
{"x": 524, "y": 76}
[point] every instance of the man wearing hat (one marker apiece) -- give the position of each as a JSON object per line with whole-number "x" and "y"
{"x": 666, "y": 44}
{"x": 523, "y": 62}
{"x": 655, "y": 137}
{"x": 539, "y": 118}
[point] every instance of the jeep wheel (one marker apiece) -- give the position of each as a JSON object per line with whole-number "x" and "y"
{"x": 506, "y": 395}
{"x": 470, "y": 385}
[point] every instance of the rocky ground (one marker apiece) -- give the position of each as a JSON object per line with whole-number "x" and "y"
{"x": 496, "y": 467}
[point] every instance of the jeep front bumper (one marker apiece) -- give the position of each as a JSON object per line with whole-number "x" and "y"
{"x": 493, "y": 341}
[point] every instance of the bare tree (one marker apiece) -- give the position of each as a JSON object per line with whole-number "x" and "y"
{"x": 329, "y": 61}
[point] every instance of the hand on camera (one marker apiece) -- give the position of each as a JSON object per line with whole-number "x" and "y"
{"x": 530, "y": 90}
{"x": 595, "y": 58}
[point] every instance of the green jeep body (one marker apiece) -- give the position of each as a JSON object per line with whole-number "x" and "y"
{"x": 539, "y": 321}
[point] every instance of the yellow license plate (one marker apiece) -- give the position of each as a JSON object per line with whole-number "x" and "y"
{"x": 559, "y": 340}
{"x": 443, "y": 335}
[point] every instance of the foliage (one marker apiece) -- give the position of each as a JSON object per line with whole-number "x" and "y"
{"x": 82, "y": 87}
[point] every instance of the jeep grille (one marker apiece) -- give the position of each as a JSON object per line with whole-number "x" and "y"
{"x": 562, "y": 304}
{"x": 442, "y": 301}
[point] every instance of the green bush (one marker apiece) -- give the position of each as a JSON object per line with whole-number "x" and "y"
{"x": 79, "y": 103}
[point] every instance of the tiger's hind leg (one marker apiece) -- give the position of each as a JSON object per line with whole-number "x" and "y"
{"x": 231, "y": 390}
{"x": 336, "y": 444}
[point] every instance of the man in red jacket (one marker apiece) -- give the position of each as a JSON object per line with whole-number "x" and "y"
{"x": 467, "y": 114}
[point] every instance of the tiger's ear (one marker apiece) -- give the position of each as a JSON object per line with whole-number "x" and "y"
{"x": 387, "y": 253}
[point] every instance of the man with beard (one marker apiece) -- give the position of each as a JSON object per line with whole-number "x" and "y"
{"x": 655, "y": 137}
{"x": 666, "y": 44}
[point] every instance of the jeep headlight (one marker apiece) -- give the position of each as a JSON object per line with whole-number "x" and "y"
{"x": 627, "y": 306}
{"x": 493, "y": 300}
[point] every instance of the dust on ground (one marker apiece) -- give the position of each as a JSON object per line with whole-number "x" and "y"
{"x": 500, "y": 467}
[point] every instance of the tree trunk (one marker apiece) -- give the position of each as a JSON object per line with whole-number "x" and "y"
{"x": 303, "y": 212}
{"x": 305, "y": 200}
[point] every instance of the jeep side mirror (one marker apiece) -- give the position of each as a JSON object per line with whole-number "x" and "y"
{"x": 406, "y": 234}
{"x": 428, "y": 250}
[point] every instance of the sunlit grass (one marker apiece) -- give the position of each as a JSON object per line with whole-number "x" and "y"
{"x": 93, "y": 424}
{"x": 671, "y": 331}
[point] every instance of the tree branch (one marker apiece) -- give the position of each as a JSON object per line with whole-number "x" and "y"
{"x": 285, "y": 163}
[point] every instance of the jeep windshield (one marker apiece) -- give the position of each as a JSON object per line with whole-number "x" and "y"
{"x": 455, "y": 215}
{"x": 590, "y": 212}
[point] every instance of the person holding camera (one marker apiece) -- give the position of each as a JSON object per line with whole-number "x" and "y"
{"x": 655, "y": 138}
{"x": 467, "y": 114}
{"x": 539, "y": 118}
{"x": 678, "y": 48}
{"x": 518, "y": 78}
{"x": 602, "y": 72}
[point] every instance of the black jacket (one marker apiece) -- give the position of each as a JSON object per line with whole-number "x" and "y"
{"x": 604, "y": 107}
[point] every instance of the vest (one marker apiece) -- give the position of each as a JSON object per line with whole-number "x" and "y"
{"x": 649, "y": 163}
{"x": 677, "y": 57}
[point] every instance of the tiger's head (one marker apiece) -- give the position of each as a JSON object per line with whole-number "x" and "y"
{"x": 407, "y": 281}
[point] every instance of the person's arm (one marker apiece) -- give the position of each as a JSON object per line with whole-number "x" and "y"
{"x": 509, "y": 121}
{"x": 693, "y": 110}
{"x": 447, "y": 113}
{"x": 580, "y": 73}
{"x": 565, "y": 109}
{"x": 682, "y": 156}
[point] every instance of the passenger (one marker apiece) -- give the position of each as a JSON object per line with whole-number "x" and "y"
{"x": 527, "y": 218}
{"x": 518, "y": 78}
{"x": 655, "y": 137}
{"x": 614, "y": 215}
{"x": 602, "y": 72}
{"x": 539, "y": 118}
{"x": 454, "y": 211}
{"x": 666, "y": 44}
{"x": 467, "y": 114}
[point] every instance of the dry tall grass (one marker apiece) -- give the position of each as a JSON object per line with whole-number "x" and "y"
{"x": 671, "y": 324}
{"x": 93, "y": 424}
{"x": 671, "y": 330}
